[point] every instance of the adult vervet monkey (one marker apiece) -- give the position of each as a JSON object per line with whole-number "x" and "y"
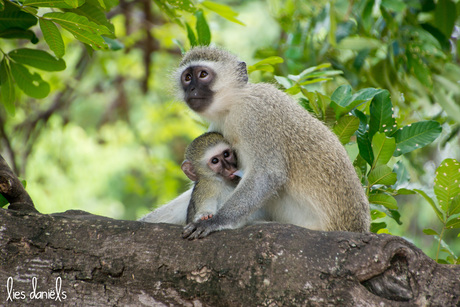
{"x": 294, "y": 167}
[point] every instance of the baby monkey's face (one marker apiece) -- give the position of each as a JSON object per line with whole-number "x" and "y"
{"x": 222, "y": 161}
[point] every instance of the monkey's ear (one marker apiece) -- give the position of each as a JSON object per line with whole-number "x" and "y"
{"x": 188, "y": 170}
{"x": 243, "y": 72}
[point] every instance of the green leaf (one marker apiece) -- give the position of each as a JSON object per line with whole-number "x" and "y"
{"x": 37, "y": 58}
{"x": 383, "y": 199}
{"x": 432, "y": 204}
{"x": 63, "y": 4}
{"x": 185, "y": 5}
{"x": 453, "y": 221}
{"x": 74, "y": 3}
{"x": 2, "y": 7}
{"x": 447, "y": 183}
{"x": 266, "y": 64}
{"x": 285, "y": 82}
{"x": 376, "y": 214}
{"x": 82, "y": 29}
{"x": 346, "y": 127}
{"x": 19, "y": 33}
{"x": 95, "y": 14}
{"x": 362, "y": 136}
{"x": 343, "y": 102}
{"x": 7, "y": 88}
{"x": 223, "y": 10}
{"x": 381, "y": 114}
{"x": 430, "y": 232}
{"x": 13, "y": 17}
{"x": 3, "y": 201}
{"x": 417, "y": 66}
{"x": 416, "y": 135}
{"x": 445, "y": 15}
{"x": 202, "y": 29}
{"x": 382, "y": 175}
{"x": 375, "y": 227}
{"x": 383, "y": 148}
{"x": 358, "y": 43}
{"x": 113, "y": 44}
{"x": 52, "y": 37}
{"x": 191, "y": 36}
{"x": 31, "y": 84}
{"x": 454, "y": 206}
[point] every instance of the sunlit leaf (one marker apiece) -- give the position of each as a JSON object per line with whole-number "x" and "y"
{"x": 84, "y": 30}
{"x": 346, "y": 127}
{"x": 383, "y": 148}
{"x": 191, "y": 36}
{"x": 64, "y": 4}
{"x": 430, "y": 232}
{"x": 95, "y": 14}
{"x": 223, "y": 10}
{"x": 358, "y": 43}
{"x": 37, "y": 58}
{"x": 382, "y": 175}
{"x": 447, "y": 182}
{"x": 416, "y": 135}
{"x": 185, "y": 5}
{"x": 52, "y": 37}
{"x": 383, "y": 199}
{"x": 30, "y": 83}
{"x": 202, "y": 29}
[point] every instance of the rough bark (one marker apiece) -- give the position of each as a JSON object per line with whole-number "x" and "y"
{"x": 97, "y": 261}
{"x": 78, "y": 259}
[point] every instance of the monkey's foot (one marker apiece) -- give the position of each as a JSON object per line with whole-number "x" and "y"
{"x": 199, "y": 229}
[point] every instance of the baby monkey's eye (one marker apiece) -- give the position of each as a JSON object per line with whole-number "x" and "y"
{"x": 226, "y": 154}
{"x": 215, "y": 161}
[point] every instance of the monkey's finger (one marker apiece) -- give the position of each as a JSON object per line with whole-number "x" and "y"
{"x": 188, "y": 230}
{"x": 204, "y": 233}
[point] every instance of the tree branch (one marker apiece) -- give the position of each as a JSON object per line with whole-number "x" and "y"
{"x": 105, "y": 262}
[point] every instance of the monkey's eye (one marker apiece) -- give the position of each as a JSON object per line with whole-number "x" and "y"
{"x": 203, "y": 74}
{"x": 226, "y": 154}
{"x": 188, "y": 77}
{"x": 215, "y": 161}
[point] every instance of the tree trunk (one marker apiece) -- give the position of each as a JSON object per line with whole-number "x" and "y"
{"x": 78, "y": 259}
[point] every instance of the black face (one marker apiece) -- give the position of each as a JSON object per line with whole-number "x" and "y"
{"x": 196, "y": 82}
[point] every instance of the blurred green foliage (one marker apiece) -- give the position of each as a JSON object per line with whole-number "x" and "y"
{"x": 109, "y": 136}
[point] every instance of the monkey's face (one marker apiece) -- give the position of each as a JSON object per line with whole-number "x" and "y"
{"x": 196, "y": 82}
{"x": 222, "y": 161}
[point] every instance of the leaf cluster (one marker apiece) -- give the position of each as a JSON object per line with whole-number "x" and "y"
{"x": 84, "y": 19}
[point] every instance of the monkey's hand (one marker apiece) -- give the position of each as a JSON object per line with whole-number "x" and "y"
{"x": 200, "y": 229}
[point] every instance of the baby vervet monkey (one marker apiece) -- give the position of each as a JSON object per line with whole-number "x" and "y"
{"x": 295, "y": 168}
{"x": 211, "y": 163}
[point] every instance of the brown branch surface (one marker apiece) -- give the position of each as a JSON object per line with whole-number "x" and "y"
{"x": 95, "y": 261}
{"x": 12, "y": 189}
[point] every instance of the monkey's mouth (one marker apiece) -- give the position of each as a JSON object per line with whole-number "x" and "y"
{"x": 197, "y": 103}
